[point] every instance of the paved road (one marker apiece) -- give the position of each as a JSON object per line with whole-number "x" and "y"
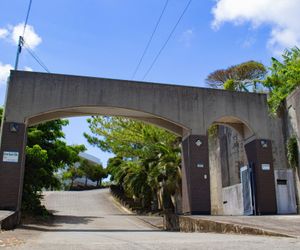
{"x": 91, "y": 220}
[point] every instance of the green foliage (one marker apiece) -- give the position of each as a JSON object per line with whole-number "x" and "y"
{"x": 292, "y": 152}
{"x": 240, "y": 77}
{"x": 45, "y": 154}
{"x": 284, "y": 77}
{"x": 97, "y": 174}
{"x": 147, "y": 158}
{"x": 229, "y": 85}
{"x": 72, "y": 173}
{"x": 94, "y": 172}
{"x": 212, "y": 130}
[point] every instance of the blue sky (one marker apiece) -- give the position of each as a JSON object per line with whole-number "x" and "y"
{"x": 106, "y": 38}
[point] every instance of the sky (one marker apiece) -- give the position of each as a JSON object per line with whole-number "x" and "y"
{"x": 106, "y": 38}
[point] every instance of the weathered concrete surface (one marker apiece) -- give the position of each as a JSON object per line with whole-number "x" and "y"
{"x": 233, "y": 200}
{"x": 288, "y": 225}
{"x": 4, "y": 214}
{"x": 291, "y": 125}
{"x": 5, "y": 219}
{"x": 285, "y": 191}
{"x": 90, "y": 220}
{"x": 215, "y": 172}
{"x": 47, "y": 96}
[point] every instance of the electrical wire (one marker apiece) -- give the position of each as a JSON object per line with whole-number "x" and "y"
{"x": 166, "y": 42}
{"x": 35, "y": 56}
{"x": 27, "y": 16}
{"x": 150, "y": 39}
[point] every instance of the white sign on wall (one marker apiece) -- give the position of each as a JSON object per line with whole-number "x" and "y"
{"x": 9, "y": 156}
{"x": 265, "y": 167}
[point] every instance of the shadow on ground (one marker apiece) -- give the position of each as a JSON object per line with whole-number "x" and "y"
{"x": 43, "y": 229}
{"x": 56, "y": 220}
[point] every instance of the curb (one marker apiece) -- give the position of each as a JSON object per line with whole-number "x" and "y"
{"x": 188, "y": 224}
{"x": 119, "y": 204}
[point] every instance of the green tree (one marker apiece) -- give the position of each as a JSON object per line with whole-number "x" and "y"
{"x": 147, "y": 161}
{"x": 73, "y": 172}
{"x": 45, "y": 154}
{"x": 284, "y": 77}
{"x": 87, "y": 169}
{"x": 240, "y": 77}
{"x": 98, "y": 174}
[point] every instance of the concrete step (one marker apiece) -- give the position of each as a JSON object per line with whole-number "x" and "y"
{"x": 7, "y": 219}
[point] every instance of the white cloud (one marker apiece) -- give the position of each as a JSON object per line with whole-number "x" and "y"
{"x": 26, "y": 68}
{"x": 187, "y": 36}
{"x": 3, "y": 33}
{"x": 281, "y": 15}
{"x": 31, "y": 38}
{"x": 4, "y": 72}
{"x": 13, "y": 33}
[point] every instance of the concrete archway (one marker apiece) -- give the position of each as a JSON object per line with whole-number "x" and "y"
{"x": 187, "y": 111}
{"x": 246, "y": 137}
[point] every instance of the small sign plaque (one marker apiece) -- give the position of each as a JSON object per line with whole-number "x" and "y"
{"x": 200, "y": 165}
{"x": 9, "y": 156}
{"x": 265, "y": 167}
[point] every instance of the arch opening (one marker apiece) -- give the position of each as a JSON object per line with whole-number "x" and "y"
{"x": 173, "y": 127}
{"x": 227, "y": 156}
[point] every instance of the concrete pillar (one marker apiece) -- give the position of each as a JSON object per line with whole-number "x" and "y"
{"x": 195, "y": 175}
{"x": 215, "y": 171}
{"x": 259, "y": 154}
{"x": 12, "y": 161}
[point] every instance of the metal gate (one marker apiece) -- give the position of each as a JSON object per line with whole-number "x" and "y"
{"x": 247, "y": 187}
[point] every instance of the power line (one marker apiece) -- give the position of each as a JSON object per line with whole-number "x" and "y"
{"x": 27, "y": 16}
{"x": 166, "y": 42}
{"x": 150, "y": 39}
{"x": 21, "y": 38}
{"x": 35, "y": 56}
{"x": 22, "y": 43}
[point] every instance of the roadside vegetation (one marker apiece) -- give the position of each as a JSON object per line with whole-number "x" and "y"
{"x": 146, "y": 166}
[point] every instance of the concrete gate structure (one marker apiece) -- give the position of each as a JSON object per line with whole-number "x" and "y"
{"x": 33, "y": 98}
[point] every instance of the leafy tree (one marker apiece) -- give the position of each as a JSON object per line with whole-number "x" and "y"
{"x": 98, "y": 174}
{"x": 284, "y": 77}
{"x": 72, "y": 173}
{"x": 147, "y": 162}
{"x": 87, "y": 169}
{"x": 240, "y": 77}
{"x": 45, "y": 154}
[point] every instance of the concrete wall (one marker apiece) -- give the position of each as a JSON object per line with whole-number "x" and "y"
{"x": 291, "y": 127}
{"x": 285, "y": 191}
{"x": 233, "y": 155}
{"x": 233, "y": 200}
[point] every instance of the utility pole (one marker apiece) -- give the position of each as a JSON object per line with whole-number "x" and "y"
{"x": 19, "y": 50}
{"x": 21, "y": 37}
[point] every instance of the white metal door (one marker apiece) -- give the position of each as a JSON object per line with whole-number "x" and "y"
{"x": 246, "y": 187}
